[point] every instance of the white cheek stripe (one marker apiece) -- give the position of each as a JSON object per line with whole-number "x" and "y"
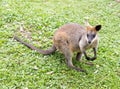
{"x": 86, "y": 38}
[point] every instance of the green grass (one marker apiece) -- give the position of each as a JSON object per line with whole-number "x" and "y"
{"x": 22, "y": 68}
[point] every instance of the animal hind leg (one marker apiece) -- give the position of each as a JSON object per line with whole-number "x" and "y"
{"x": 68, "y": 56}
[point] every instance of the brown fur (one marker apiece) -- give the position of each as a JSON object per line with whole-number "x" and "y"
{"x": 68, "y": 39}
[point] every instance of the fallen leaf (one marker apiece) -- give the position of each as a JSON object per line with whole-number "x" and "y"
{"x": 51, "y": 72}
{"x": 35, "y": 68}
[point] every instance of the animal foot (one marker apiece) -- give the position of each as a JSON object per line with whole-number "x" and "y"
{"x": 89, "y": 63}
{"x": 80, "y": 70}
{"x": 88, "y": 58}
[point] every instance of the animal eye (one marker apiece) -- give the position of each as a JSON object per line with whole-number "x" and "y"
{"x": 94, "y": 35}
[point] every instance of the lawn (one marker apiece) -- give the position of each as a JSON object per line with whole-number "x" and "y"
{"x": 22, "y": 68}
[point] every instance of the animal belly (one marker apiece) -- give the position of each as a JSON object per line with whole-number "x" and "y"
{"x": 74, "y": 47}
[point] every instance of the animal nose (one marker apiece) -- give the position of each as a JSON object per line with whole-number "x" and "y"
{"x": 89, "y": 42}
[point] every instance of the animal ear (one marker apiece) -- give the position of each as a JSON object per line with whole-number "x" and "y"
{"x": 98, "y": 27}
{"x": 86, "y": 22}
{"x": 87, "y": 25}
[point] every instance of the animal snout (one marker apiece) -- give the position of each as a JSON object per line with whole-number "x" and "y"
{"x": 89, "y": 42}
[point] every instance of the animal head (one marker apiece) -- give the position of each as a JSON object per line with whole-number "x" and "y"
{"x": 91, "y": 33}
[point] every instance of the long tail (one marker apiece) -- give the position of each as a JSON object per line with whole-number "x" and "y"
{"x": 45, "y": 52}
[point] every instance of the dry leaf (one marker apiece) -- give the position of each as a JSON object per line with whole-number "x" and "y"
{"x": 51, "y": 72}
{"x": 35, "y": 68}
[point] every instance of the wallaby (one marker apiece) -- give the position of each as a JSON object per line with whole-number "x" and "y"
{"x": 71, "y": 38}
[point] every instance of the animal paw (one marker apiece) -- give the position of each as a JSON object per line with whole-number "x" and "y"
{"x": 88, "y": 58}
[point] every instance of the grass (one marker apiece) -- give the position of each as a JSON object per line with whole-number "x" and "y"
{"x": 22, "y": 68}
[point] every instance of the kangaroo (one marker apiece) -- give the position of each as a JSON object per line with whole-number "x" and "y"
{"x": 71, "y": 38}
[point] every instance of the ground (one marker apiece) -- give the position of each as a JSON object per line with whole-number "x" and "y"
{"x": 22, "y": 68}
